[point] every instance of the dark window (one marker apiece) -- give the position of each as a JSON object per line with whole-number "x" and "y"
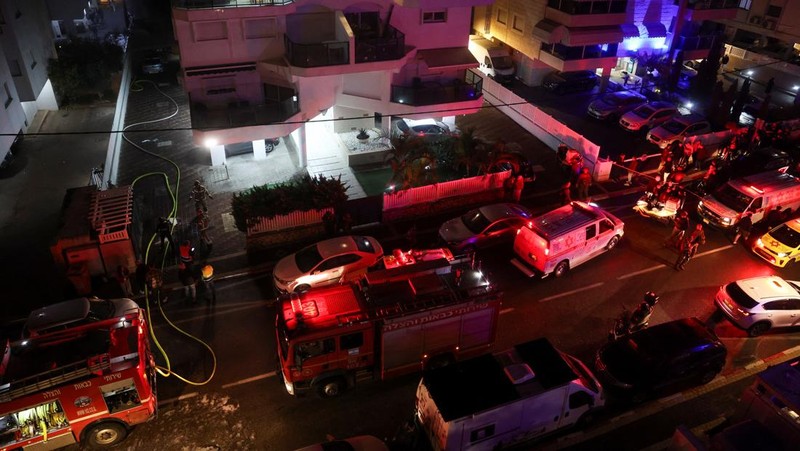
{"x": 363, "y": 244}
{"x": 13, "y": 65}
{"x": 314, "y": 348}
{"x": 591, "y": 231}
{"x": 352, "y": 341}
{"x": 579, "y": 399}
{"x": 9, "y": 99}
{"x": 606, "y": 225}
{"x": 434, "y": 16}
{"x": 479, "y": 434}
{"x": 776, "y": 305}
{"x": 774, "y": 11}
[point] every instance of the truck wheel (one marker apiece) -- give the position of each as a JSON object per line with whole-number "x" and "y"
{"x": 561, "y": 269}
{"x": 331, "y": 388}
{"x": 758, "y": 329}
{"x": 612, "y": 243}
{"x": 302, "y": 288}
{"x": 103, "y": 435}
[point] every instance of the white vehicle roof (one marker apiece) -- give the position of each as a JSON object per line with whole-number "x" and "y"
{"x": 765, "y": 182}
{"x": 763, "y": 289}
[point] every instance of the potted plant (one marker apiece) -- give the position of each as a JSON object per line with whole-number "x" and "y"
{"x": 362, "y": 135}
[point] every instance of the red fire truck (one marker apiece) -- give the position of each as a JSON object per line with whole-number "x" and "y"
{"x": 331, "y": 338}
{"x": 86, "y": 384}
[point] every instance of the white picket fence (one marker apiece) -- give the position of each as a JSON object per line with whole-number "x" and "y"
{"x": 290, "y": 221}
{"x": 444, "y": 190}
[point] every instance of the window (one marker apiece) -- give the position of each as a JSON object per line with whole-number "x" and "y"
{"x": 591, "y": 231}
{"x": 13, "y": 65}
{"x": 210, "y": 31}
{"x": 434, "y": 16}
{"x": 352, "y": 341}
{"x": 314, "y": 348}
{"x": 9, "y": 99}
{"x": 745, "y": 4}
{"x": 606, "y": 226}
{"x": 260, "y": 28}
{"x": 479, "y": 434}
{"x": 773, "y": 11}
{"x": 580, "y": 399}
{"x": 502, "y": 16}
{"x": 518, "y": 23}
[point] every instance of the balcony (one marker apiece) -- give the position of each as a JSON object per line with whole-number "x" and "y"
{"x": 216, "y": 4}
{"x": 567, "y": 58}
{"x": 573, "y": 13}
{"x": 390, "y": 46}
{"x": 439, "y": 92}
{"x": 712, "y": 10}
{"x": 329, "y": 53}
{"x": 241, "y": 113}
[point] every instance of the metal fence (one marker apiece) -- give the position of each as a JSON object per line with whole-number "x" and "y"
{"x": 290, "y": 221}
{"x": 444, "y": 190}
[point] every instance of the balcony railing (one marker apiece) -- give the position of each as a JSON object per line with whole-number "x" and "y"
{"x": 567, "y": 53}
{"x": 208, "y": 4}
{"x": 714, "y": 4}
{"x": 242, "y": 114}
{"x": 695, "y": 42}
{"x": 329, "y": 53}
{"x": 391, "y": 46}
{"x": 438, "y": 92}
{"x": 589, "y": 7}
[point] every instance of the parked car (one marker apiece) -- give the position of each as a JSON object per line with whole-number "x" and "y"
{"x": 484, "y": 227}
{"x": 423, "y": 127}
{"x": 660, "y": 359}
{"x": 647, "y": 116}
{"x": 359, "y": 443}
{"x": 73, "y": 313}
{"x": 328, "y": 262}
{"x": 758, "y": 304}
{"x": 247, "y": 147}
{"x": 153, "y": 65}
{"x": 615, "y": 104}
{"x": 757, "y": 161}
{"x": 564, "y": 82}
{"x": 678, "y": 128}
{"x": 781, "y": 245}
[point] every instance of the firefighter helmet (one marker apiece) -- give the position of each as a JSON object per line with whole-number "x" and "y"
{"x": 208, "y": 272}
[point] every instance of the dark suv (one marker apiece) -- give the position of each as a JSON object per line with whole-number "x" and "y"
{"x": 661, "y": 359}
{"x": 563, "y": 82}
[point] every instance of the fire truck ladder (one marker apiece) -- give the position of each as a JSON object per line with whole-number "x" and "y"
{"x": 55, "y": 377}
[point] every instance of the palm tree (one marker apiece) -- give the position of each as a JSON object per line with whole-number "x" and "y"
{"x": 408, "y": 157}
{"x": 468, "y": 148}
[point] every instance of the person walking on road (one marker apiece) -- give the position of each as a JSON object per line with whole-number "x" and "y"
{"x": 744, "y": 227}
{"x": 199, "y": 194}
{"x": 584, "y": 182}
{"x": 155, "y": 281}
{"x": 679, "y": 229}
{"x": 202, "y": 228}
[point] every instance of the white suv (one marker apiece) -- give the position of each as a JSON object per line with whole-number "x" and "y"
{"x": 678, "y": 128}
{"x": 761, "y": 303}
{"x": 647, "y": 116}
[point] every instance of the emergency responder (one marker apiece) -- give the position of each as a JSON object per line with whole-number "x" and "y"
{"x": 681, "y": 225}
{"x": 743, "y": 228}
{"x": 199, "y": 193}
{"x": 164, "y": 229}
{"x": 689, "y": 247}
{"x": 208, "y": 282}
{"x": 187, "y": 253}
{"x": 202, "y": 227}
{"x": 189, "y": 283}
{"x": 155, "y": 281}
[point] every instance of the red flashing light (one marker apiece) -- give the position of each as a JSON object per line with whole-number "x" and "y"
{"x": 756, "y": 189}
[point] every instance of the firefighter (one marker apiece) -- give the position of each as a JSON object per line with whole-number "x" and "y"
{"x": 208, "y": 282}
{"x": 187, "y": 253}
{"x": 155, "y": 281}
{"x": 199, "y": 194}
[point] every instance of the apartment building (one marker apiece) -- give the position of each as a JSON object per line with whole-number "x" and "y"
{"x": 768, "y": 26}
{"x": 26, "y": 44}
{"x": 600, "y": 35}
{"x": 305, "y": 70}
{"x": 88, "y": 19}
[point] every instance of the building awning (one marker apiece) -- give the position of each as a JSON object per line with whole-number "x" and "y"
{"x": 629, "y": 30}
{"x": 653, "y": 30}
{"x": 548, "y": 31}
{"x": 449, "y": 58}
{"x": 592, "y": 35}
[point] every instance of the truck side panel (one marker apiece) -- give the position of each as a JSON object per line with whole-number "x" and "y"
{"x": 463, "y": 331}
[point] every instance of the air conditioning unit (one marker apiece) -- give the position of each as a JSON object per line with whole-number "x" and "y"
{"x": 755, "y": 19}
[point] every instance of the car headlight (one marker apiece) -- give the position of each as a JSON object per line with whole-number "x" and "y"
{"x": 760, "y": 243}
{"x": 700, "y": 204}
{"x": 726, "y": 220}
{"x": 782, "y": 254}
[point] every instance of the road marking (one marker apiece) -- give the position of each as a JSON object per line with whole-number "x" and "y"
{"x": 250, "y": 379}
{"x": 507, "y": 310}
{"x": 179, "y": 398}
{"x": 657, "y": 267}
{"x": 568, "y": 293}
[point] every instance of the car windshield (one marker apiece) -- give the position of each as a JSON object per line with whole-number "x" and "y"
{"x": 100, "y": 309}
{"x": 733, "y": 199}
{"x": 644, "y": 111}
{"x": 363, "y": 244}
{"x": 613, "y": 100}
{"x": 306, "y": 259}
{"x": 475, "y": 221}
{"x": 739, "y": 296}
{"x": 674, "y": 127}
{"x": 786, "y": 235}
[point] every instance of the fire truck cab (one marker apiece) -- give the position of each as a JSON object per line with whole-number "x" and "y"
{"x": 86, "y": 384}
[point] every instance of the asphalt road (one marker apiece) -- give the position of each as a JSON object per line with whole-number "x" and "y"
{"x": 574, "y": 312}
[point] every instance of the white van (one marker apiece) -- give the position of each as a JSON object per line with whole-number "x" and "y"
{"x": 758, "y": 194}
{"x": 564, "y": 238}
{"x": 495, "y": 60}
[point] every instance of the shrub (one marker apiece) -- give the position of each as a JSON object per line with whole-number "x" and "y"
{"x": 304, "y": 194}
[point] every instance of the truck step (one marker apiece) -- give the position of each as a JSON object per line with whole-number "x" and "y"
{"x": 363, "y": 376}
